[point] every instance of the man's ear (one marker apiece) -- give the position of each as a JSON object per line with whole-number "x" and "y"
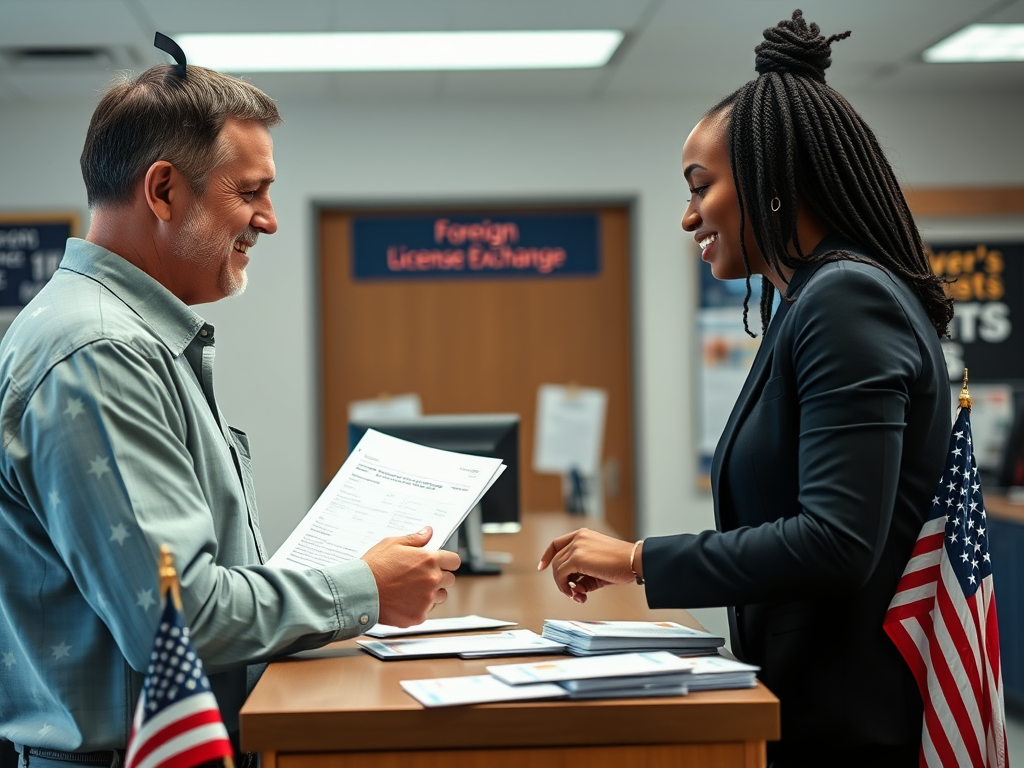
{"x": 163, "y": 189}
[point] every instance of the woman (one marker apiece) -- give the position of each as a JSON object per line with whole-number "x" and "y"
{"x": 827, "y": 465}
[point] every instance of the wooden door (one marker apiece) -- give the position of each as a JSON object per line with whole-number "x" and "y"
{"x": 482, "y": 346}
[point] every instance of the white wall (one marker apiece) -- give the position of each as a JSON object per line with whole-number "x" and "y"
{"x": 370, "y": 152}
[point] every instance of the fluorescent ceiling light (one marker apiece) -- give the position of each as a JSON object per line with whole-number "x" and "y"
{"x": 980, "y": 42}
{"x": 400, "y": 51}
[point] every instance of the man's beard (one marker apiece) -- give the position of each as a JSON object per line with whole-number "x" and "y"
{"x": 193, "y": 246}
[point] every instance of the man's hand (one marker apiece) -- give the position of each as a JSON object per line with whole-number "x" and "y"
{"x": 584, "y": 560}
{"x": 410, "y": 580}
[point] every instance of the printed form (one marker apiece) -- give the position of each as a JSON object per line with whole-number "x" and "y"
{"x": 387, "y": 487}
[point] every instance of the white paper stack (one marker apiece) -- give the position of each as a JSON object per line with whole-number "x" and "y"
{"x": 712, "y": 673}
{"x": 620, "y": 675}
{"x": 515, "y": 642}
{"x": 590, "y": 638}
{"x": 476, "y": 689}
{"x": 453, "y": 624}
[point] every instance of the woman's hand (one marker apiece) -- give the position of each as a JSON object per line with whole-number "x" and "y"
{"x": 585, "y": 560}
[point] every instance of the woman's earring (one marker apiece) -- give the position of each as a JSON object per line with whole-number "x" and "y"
{"x": 776, "y": 204}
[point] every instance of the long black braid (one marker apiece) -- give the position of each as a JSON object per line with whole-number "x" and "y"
{"x": 792, "y": 137}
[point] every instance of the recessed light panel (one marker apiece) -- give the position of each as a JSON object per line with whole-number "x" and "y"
{"x": 400, "y": 51}
{"x": 979, "y": 42}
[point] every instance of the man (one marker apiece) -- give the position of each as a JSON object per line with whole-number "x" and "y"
{"x": 114, "y": 442}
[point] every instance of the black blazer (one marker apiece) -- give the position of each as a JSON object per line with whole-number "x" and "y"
{"x": 822, "y": 480}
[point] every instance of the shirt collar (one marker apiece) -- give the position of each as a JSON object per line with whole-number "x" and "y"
{"x": 169, "y": 317}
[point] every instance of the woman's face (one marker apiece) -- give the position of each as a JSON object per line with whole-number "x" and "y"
{"x": 713, "y": 213}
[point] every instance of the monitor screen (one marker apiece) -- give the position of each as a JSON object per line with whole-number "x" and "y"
{"x": 493, "y": 435}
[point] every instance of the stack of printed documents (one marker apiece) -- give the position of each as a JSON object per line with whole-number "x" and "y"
{"x": 713, "y": 673}
{"x": 515, "y": 642}
{"x": 620, "y": 676}
{"x": 591, "y": 638}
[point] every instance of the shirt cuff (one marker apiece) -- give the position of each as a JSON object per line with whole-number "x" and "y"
{"x": 356, "y": 602}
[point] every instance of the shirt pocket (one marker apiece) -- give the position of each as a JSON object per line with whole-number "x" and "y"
{"x": 240, "y": 443}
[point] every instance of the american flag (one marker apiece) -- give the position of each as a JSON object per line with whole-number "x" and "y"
{"x": 943, "y": 620}
{"x": 177, "y": 722}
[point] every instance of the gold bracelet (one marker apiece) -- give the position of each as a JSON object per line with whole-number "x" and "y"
{"x": 631, "y": 556}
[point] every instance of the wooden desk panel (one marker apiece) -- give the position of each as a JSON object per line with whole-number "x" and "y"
{"x": 338, "y": 706}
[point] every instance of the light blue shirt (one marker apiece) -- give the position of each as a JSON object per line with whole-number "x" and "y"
{"x": 113, "y": 444}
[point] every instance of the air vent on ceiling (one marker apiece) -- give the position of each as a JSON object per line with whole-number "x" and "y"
{"x": 67, "y": 58}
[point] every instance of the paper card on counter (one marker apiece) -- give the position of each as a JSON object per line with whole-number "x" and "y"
{"x": 513, "y": 642}
{"x": 570, "y": 429}
{"x": 453, "y": 624}
{"x": 387, "y": 487}
{"x": 476, "y": 689}
{"x": 613, "y": 665}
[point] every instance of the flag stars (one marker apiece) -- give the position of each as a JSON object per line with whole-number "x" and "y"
{"x": 75, "y": 408}
{"x": 61, "y": 651}
{"x": 959, "y": 435}
{"x": 145, "y": 599}
{"x": 957, "y": 451}
{"x": 8, "y": 659}
{"x": 951, "y": 486}
{"x": 970, "y": 521}
{"x": 45, "y": 729}
{"x": 972, "y": 579}
{"x": 935, "y": 500}
{"x": 965, "y": 557}
{"x": 54, "y": 499}
{"x": 952, "y": 538}
{"x": 981, "y": 531}
{"x": 987, "y": 557}
{"x": 99, "y": 466}
{"x": 119, "y": 533}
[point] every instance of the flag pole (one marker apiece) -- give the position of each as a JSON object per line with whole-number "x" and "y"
{"x": 965, "y": 397}
{"x": 169, "y": 584}
{"x": 169, "y": 576}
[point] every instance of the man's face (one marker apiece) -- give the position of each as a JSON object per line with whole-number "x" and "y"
{"x": 220, "y": 226}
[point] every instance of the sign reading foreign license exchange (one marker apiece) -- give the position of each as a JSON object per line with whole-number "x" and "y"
{"x": 475, "y": 246}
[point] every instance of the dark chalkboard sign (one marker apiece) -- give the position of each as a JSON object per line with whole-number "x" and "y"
{"x": 31, "y": 247}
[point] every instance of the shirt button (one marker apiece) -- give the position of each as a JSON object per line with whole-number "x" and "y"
{"x": 364, "y": 619}
{"x": 204, "y": 333}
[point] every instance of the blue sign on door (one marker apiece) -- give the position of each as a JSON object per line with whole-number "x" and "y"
{"x": 475, "y": 245}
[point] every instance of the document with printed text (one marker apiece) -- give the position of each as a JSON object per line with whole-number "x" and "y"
{"x": 387, "y": 487}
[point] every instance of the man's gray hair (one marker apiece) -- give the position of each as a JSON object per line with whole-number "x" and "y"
{"x": 160, "y": 115}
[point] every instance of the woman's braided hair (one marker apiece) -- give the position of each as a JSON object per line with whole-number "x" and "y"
{"x": 793, "y": 137}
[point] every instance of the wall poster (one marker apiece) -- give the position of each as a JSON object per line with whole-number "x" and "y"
{"x": 31, "y": 247}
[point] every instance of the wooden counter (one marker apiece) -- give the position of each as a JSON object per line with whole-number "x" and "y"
{"x": 341, "y": 707}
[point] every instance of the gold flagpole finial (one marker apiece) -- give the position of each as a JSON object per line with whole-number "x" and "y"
{"x": 169, "y": 576}
{"x": 965, "y": 397}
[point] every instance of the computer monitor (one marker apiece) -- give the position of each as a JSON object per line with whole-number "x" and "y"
{"x": 493, "y": 435}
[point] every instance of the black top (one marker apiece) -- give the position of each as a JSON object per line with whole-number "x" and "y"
{"x": 822, "y": 479}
